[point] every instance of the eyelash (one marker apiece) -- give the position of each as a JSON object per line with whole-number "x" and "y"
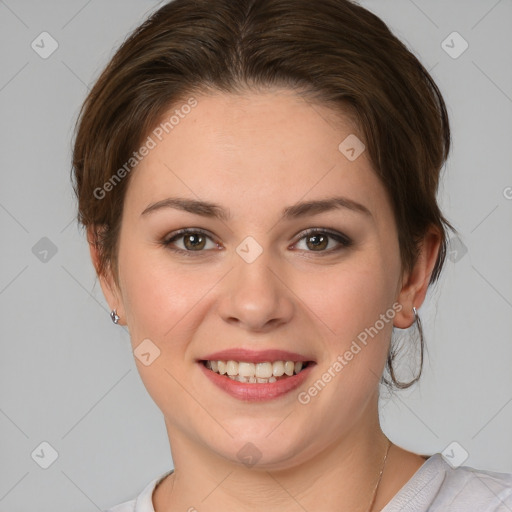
{"x": 342, "y": 239}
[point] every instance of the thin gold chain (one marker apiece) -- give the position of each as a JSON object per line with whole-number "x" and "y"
{"x": 380, "y": 477}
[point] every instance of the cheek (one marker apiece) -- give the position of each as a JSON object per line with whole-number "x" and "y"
{"x": 161, "y": 299}
{"x": 352, "y": 297}
{"x": 152, "y": 295}
{"x": 161, "y": 303}
{"x": 354, "y": 302}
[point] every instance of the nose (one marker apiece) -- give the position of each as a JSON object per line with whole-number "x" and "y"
{"x": 255, "y": 295}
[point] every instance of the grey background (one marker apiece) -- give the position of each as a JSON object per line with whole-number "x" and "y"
{"x": 67, "y": 374}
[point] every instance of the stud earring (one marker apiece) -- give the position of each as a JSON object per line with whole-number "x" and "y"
{"x": 114, "y": 316}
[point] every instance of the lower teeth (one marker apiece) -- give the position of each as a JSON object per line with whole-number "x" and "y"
{"x": 253, "y": 380}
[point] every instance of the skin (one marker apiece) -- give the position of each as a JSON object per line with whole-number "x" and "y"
{"x": 254, "y": 154}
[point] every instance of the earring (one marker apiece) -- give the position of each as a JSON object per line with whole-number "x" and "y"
{"x": 114, "y": 316}
{"x": 418, "y": 322}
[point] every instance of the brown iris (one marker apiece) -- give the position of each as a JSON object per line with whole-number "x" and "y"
{"x": 197, "y": 241}
{"x": 321, "y": 241}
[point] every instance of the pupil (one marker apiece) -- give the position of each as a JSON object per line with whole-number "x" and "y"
{"x": 321, "y": 239}
{"x": 194, "y": 241}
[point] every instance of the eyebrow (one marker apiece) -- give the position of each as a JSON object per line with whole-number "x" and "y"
{"x": 212, "y": 210}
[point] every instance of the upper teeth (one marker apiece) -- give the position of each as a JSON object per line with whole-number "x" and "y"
{"x": 258, "y": 370}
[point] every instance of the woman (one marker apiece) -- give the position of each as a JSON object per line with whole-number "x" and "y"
{"x": 258, "y": 182}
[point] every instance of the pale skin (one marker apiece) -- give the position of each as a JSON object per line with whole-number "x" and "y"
{"x": 254, "y": 154}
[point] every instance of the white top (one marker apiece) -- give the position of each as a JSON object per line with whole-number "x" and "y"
{"x": 435, "y": 487}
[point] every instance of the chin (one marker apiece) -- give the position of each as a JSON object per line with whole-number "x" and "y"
{"x": 260, "y": 446}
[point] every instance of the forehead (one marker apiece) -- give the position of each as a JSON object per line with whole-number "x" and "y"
{"x": 254, "y": 148}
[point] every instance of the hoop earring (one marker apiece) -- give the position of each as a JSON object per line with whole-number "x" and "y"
{"x": 393, "y": 353}
{"x": 417, "y": 319}
{"x": 114, "y": 316}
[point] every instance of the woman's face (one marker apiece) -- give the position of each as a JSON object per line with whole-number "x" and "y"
{"x": 249, "y": 280}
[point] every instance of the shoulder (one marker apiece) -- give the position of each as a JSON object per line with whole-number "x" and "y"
{"x": 144, "y": 501}
{"x": 466, "y": 488}
{"x": 437, "y": 486}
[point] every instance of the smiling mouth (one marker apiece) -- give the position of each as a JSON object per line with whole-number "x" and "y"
{"x": 257, "y": 373}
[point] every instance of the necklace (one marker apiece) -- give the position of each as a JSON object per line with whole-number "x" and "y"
{"x": 380, "y": 477}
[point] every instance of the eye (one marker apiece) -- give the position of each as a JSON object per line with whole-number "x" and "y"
{"x": 318, "y": 240}
{"x": 191, "y": 240}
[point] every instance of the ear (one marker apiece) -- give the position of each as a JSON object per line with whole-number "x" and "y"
{"x": 415, "y": 283}
{"x": 108, "y": 285}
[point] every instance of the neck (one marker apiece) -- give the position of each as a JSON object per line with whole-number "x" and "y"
{"x": 343, "y": 472}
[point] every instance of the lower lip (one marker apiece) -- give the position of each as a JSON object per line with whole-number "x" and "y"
{"x": 257, "y": 392}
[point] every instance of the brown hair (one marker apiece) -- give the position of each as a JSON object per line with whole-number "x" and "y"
{"x": 333, "y": 51}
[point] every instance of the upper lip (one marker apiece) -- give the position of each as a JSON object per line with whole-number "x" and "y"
{"x": 255, "y": 356}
